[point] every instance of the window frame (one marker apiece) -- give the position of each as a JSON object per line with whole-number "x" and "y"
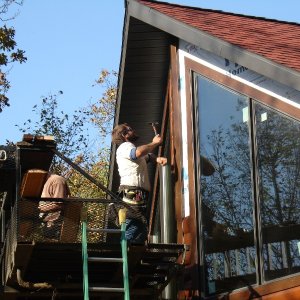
{"x": 252, "y": 161}
{"x": 191, "y": 67}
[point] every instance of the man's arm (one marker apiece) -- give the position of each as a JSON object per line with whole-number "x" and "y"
{"x": 148, "y": 148}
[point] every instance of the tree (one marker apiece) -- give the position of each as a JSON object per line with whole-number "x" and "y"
{"x": 9, "y": 53}
{"x": 103, "y": 110}
{"x": 71, "y": 134}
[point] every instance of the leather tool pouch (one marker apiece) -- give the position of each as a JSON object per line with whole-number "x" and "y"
{"x": 135, "y": 196}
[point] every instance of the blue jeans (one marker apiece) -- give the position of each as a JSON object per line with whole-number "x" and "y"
{"x": 136, "y": 231}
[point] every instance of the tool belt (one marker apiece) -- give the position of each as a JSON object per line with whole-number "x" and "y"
{"x": 133, "y": 195}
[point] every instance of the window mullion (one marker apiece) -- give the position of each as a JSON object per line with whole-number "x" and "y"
{"x": 255, "y": 186}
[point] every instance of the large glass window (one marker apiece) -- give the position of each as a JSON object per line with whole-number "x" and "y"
{"x": 249, "y": 186}
{"x": 225, "y": 187}
{"x": 278, "y": 148}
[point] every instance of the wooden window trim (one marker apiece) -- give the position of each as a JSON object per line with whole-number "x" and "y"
{"x": 242, "y": 88}
{"x": 173, "y": 108}
{"x": 176, "y": 138}
{"x": 160, "y": 151}
{"x": 262, "y": 290}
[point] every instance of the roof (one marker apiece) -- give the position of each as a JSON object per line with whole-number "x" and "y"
{"x": 276, "y": 40}
{"x": 268, "y": 47}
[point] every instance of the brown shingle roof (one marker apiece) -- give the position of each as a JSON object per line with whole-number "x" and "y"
{"x": 275, "y": 40}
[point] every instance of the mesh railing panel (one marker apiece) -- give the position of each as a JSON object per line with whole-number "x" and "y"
{"x": 59, "y": 222}
{"x": 10, "y": 245}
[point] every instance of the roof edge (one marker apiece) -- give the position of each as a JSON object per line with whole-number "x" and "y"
{"x": 221, "y": 12}
{"x": 215, "y": 45}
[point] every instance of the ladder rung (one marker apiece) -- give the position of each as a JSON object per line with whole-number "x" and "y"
{"x": 105, "y": 259}
{"x": 106, "y": 289}
{"x": 99, "y": 230}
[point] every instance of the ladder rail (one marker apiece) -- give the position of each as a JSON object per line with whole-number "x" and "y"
{"x": 85, "y": 261}
{"x": 123, "y": 260}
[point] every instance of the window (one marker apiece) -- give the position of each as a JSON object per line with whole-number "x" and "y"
{"x": 249, "y": 188}
{"x": 278, "y": 148}
{"x": 226, "y": 192}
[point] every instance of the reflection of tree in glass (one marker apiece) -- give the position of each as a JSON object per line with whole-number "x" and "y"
{"x": 278, "y": 140}
{"x": 227, "y": 201}
{"x": 228, "y": 192}
{"x": 227, "y": 206}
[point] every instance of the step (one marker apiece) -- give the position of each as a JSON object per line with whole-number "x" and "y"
{"x": 105, "y": 259}
{"x": 106, "y": 289}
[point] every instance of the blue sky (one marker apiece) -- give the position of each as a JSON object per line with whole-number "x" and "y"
{"x": 67, "y": 43}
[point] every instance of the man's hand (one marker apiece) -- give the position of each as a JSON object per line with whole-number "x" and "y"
{"x": 157, "y": 140}
{"x": 145, "y": 149}
{"x": 162, "y": 160}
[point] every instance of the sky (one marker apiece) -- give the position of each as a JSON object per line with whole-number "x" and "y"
{"x": 68, "y": 43}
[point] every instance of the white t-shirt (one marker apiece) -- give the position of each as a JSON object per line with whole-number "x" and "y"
{"x": 132, "y": 172}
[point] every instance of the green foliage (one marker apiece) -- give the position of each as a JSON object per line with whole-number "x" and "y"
{"x": 70, "y": 132}
{"x": 102, "y": 111}
{"x": 72, "y": 137}
{"x": 97, "y": 166}
{"x": 9, "y": 53}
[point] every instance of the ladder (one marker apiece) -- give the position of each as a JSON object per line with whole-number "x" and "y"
{"x": 123, "y": 260}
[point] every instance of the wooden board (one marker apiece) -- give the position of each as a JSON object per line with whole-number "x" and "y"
{"x": 71, "y": 222}
{"x": 32, "y": 183}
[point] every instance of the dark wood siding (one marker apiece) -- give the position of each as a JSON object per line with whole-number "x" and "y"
{"x": 144, "y": 81}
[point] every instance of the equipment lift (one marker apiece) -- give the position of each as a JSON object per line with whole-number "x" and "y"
{"x": 36, "y": 267}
